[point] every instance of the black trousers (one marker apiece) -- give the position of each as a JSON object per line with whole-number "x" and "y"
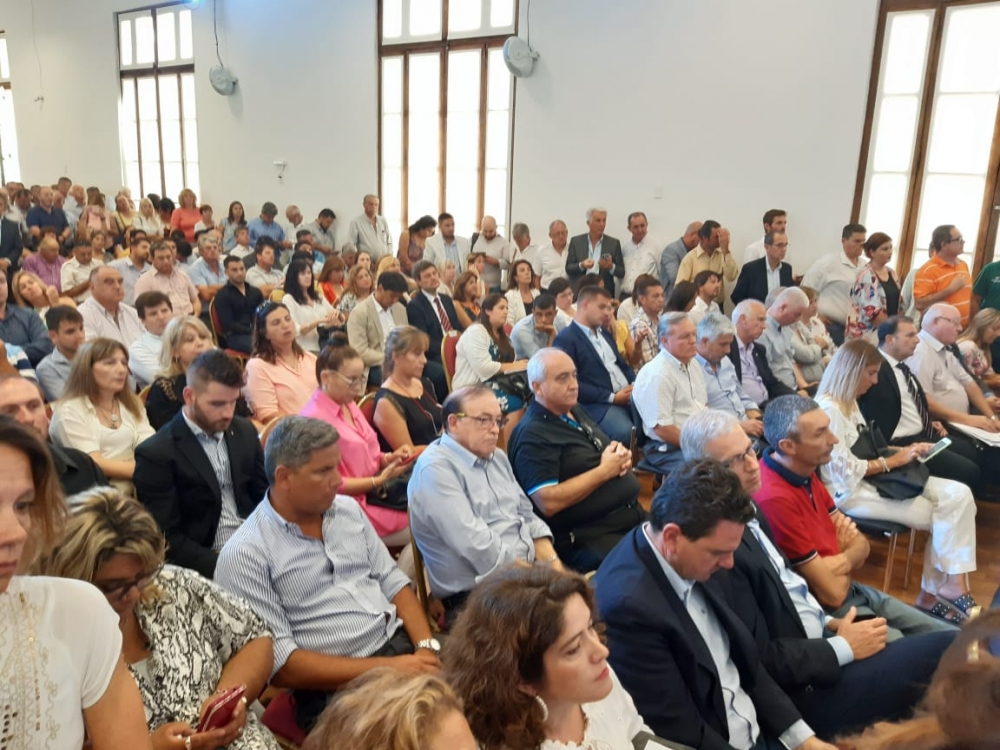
{"x": 959, "y": 462}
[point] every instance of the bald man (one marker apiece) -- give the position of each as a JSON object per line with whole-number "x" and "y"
{"x": 673, "y": 254}
{"x": 497, "y": 253}
{"x": 552, "y": 255}
{"x": 370, "y": 232}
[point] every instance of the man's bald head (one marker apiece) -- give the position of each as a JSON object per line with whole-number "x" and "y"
{"x": 943, "y": 322}
{"x": 488, "y": 227}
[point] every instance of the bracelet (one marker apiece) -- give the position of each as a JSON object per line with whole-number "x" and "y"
{"x": 885, "y": 466}
{"x": 550, "y": 560}
{"x": 373, "y": 482}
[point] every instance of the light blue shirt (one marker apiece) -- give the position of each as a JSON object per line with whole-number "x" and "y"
{"x": 53, "y": 372}
{"x": 259, "y": 229}
{"x": 527, "y": 340}
{"x": 331, "y": 595}
{"x": 130, "y": 275}
{"x": 217, "y": 452}
{"x": 608, "y": 358}
{"x": 595, "y": 253}
{"x": 777, "y": 341}
{"x": 201, "y": 274}
{"x": 469, "y": 516}
{"x": 724, "y": 390}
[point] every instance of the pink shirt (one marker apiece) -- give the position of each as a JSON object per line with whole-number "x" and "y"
{"x": 185, "y": 219}
{"x": 177, "y": 286}
{"x": 51, "y": 274}
{"x": 360, "y": 455}
{"x": 276, "y": 390}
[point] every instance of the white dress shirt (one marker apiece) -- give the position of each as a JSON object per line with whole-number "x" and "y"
{"x": 99, "y": 323}
{"x": 832, "y": 276}
{"x": 144, "y": 358}
{"x": 909, "y": 418}
{"x": 495, "y": 248}
{"x": 701, "y": 309}
{"x": 551, "y": 264}
{"x": 639, "y": 259}
{"x": 667, "y": 392}
{"x": 754, "y": 251}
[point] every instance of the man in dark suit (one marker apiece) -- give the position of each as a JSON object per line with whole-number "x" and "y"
{"x": 902, "y": 410}
{"x": 689, "y": 662}
{"x": 605, "y": 379}
{"x": 750, "y": 358}
{"x": 11, "y": 245}
{"x": 203, "y": 472}
{"x": 841, "y": 674}
{"x": 434, "y": 314}
{"x": 595, "y": 253}
{"x": 759, "y": 277}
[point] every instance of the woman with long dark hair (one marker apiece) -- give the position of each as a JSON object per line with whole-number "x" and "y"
{"x": 235, "y": 219}
{"x": 310, "y": 310}
{"x": 413, "y": 243}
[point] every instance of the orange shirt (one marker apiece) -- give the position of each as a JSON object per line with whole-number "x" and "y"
{"x": 935, "y": 275}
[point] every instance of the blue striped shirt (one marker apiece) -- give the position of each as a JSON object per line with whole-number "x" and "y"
{"x": 333, "y": 596}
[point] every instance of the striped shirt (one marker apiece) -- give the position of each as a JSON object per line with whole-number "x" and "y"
{"x": 332, "y": 596}
{"x": 218, "y": 455}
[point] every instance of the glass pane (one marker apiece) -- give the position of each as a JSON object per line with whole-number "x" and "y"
{"x": 424, "y": 144}
{"x": 460, "y": 198}
{"x": 187, "y": 42}
{"x": 885, "y": 204}
{"x": 128, "y": 99}
{"x": 130, "y": 141}
{"x": 425, "y": 83}
{"x": 132, "y": 178}
{"x": 425, "y": 18}
{"x": 173, "y": 173}
{"x": 166, "y": 36}
{"x": 192, "y": 177}
{"x": 392, "y": 19}
{"x": 170, "y": 131}
{"x": 168, "y": 98}
{"x": 422, "y": 195}
{"x": 495, "y": 195}
{"x": 392, "y": 141}
{"x": 501, "y": 13}
{"x": 465, "y": 15}
{"x": 4, "y": 60}
{"x": 392, "y": 195}
{"x": 971, "y": 57}
{"x": 392, "y": 85}
{"x": 463, "y": 82}
{"x": 147, "y": 98}
{"x": 951, "y": 199}
{"x": 906, "y": 52}
{"x": 144, "y": 40}
{"x": 191, "y": 140}
{"x": 498, "y": 84}
{"x": 149, "y": 141}
{"x": 151, "y": 177}
{"x": 962, "y": 133}
{"x": 125, "y": 42}
{"x": 463, "y": 141}
{"x": 187, "y": 95}
{"x": 497, "y": 140}
{"x": 894, "y": 133}
{"x": 8, "y": 137}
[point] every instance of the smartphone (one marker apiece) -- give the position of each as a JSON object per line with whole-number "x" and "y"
{"x": 939, "y": 446}
{"x": 862, "y": 618}
{"x": 220, "y": 711}
{"x": 409, "y": 459}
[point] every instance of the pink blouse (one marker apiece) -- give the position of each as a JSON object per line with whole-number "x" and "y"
{"x": 274, "y": 390}
{"x": 360, "y": 455}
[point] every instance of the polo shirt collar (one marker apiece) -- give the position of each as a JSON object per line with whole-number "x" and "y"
{"x": 796, "y": 480}
{"x": 847, "y": 261}
{"x": 673, "y": 361}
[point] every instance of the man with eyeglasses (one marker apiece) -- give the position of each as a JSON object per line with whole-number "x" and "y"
{"x": 580, "y": 481}
{"x": 468, "y": 514}
{"x": 203, "y": 472}
{"x": 945, "y": 277}
{"x": 829, "y": 667}
{"x": 758, "y": 278}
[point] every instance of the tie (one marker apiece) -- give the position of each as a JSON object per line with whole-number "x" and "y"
{"x": 445, "y": 323}
{"x": 911, "y": 386}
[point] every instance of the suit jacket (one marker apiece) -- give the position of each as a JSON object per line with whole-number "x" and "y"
{"x": 774, "y": 386}
{"x": 593, "y": 376}
{"x": 422, "y": 314}
{"x": 10, "y": 244}
{"x": 752, "y": 283}
{"x": 662, "y": 660}
{"x": 579, "y": 251}
{"x": 881, "y": 403}
{"x": 364, "y": 331}
{"x": 175, "y": 481}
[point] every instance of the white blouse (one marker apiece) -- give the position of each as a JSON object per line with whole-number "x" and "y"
{"x": 48, "y": 682}
{"x": 611, "y": 723}
{"x": 844, "y": 475}
{"x": 303, "y": 315}
{"x": 473, "y": 362}
{"x": 515, "y": 305}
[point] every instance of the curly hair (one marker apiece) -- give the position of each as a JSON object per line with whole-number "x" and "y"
{"x": 499, "y": 642}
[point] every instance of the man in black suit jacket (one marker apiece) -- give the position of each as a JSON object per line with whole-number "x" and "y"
{"x": 424, "y": 312}
{"x": 840, "y": 681}
{"x": 750, "y": 317}
{"x": 884, "y": 403}
{"x": 668, "y": 632}
{"x": 203, "y": 472}
{"x": 595, "y": 249}
{"x": 753, "y": 281}
{"x": 11, "y": 245}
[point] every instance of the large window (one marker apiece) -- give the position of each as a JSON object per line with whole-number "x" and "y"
{"x": 159, "y": 134}
{"x": 930, "y": 153}
{"x": 446, "y": 106}
{"x": 9, "y": 168}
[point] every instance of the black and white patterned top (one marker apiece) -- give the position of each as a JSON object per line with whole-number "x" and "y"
{"x": 194, "y": 628}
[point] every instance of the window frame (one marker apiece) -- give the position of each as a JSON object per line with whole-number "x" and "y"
{"x": 5, "y": 83}
{"x": 444, "y": 45}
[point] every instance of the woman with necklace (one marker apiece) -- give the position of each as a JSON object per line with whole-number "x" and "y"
{"x": 521, "y": 291}
{"x": 280, "y": 375}
{"x": 99, "y": 412}
{"x": 875, "y": 294}
{"x": 407, "y": 412}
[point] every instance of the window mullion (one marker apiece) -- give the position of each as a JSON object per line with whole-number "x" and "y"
{"x": 404, "y": 198}
{"x": 483, "y": 102}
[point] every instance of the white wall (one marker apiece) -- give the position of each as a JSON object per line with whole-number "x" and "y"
{"x": 724, "y": 107}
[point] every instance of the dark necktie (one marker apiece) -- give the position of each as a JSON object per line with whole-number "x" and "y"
{"x": 911, "y": 386}
{"x": 445, "y": 323}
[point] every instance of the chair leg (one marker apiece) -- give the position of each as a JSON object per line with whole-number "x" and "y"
{"x": 909, "y": 559}
{"x": 889, "y": 560}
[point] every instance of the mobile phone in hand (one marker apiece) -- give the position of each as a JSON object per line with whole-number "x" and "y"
{"x": 220, "y": 710}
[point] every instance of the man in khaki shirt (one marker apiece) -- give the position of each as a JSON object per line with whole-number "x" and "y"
{"x": 711, "y": 254}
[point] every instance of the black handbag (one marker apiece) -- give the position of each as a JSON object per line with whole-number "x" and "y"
{"x": 901, "y": 483}
{"x": 392, "y": 494}
{"x": 514, "y": 383}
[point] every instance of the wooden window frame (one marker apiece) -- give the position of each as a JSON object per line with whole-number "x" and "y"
{"x": 443, "y": 46}
{"x": 4, "y": 84}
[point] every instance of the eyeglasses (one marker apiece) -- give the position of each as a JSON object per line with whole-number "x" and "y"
{"x": 485, "y": 421}
{"x": 352, "y": 382}
{"x": 121, "y": 590}
{"x": 732, "y": 463}
{"x": 960, "y": 240}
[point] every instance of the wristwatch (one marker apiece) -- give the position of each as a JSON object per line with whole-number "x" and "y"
{"x": 431, "y": 644}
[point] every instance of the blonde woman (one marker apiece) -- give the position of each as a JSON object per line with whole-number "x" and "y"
{"x": 124, "y": 214}
{"x": 57, "y": 635}
{"x": 945, "y": 508}
{"x": 185, "y": 639}
{"x": 407, "y": 410}
{"x": 186, "y": 215}
{"x": 148, "y": 221}
{"x": 976, "y": 343}
{"x": 99, "y": 412}
{"x": 359, "y": 286}
{"x": 30, "y": 291}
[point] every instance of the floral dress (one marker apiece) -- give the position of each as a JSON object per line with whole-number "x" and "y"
{"x": 868, "y": 301}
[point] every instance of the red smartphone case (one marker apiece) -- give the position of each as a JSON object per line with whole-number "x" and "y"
{"x": 220, "y": 711}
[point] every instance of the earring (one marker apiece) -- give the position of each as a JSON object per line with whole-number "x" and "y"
{"x": 545, "y": 709}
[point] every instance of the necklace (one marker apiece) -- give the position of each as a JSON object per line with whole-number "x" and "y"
{"x": 113, "y": 415}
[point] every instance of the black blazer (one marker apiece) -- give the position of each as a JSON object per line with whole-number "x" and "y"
{"x": 881, "y": 403}
{"x": 752, "y": 283}
{"x": 579, "y": 251}
{"x": 594, "y": 379}
{"x": 10, "y": 244}
{"x": 662, "y": 660}
{"x": 421, "y": 314}
{"x": 774, "y": 386}
{"x": 175, "y": 481}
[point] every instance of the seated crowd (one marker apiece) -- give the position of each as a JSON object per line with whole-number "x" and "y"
{"x": 287, "y": 465}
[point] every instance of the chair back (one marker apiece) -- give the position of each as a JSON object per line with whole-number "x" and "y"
{"x": 277, "y": 295}
{"x": 144, "y": 394}
{"x": 268, "y": 429}
{"x": 421, "y": 577}
{"x": 367, "y": 407}
{"x": 216, "y": 323}
{"x": 449, "y": 355}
